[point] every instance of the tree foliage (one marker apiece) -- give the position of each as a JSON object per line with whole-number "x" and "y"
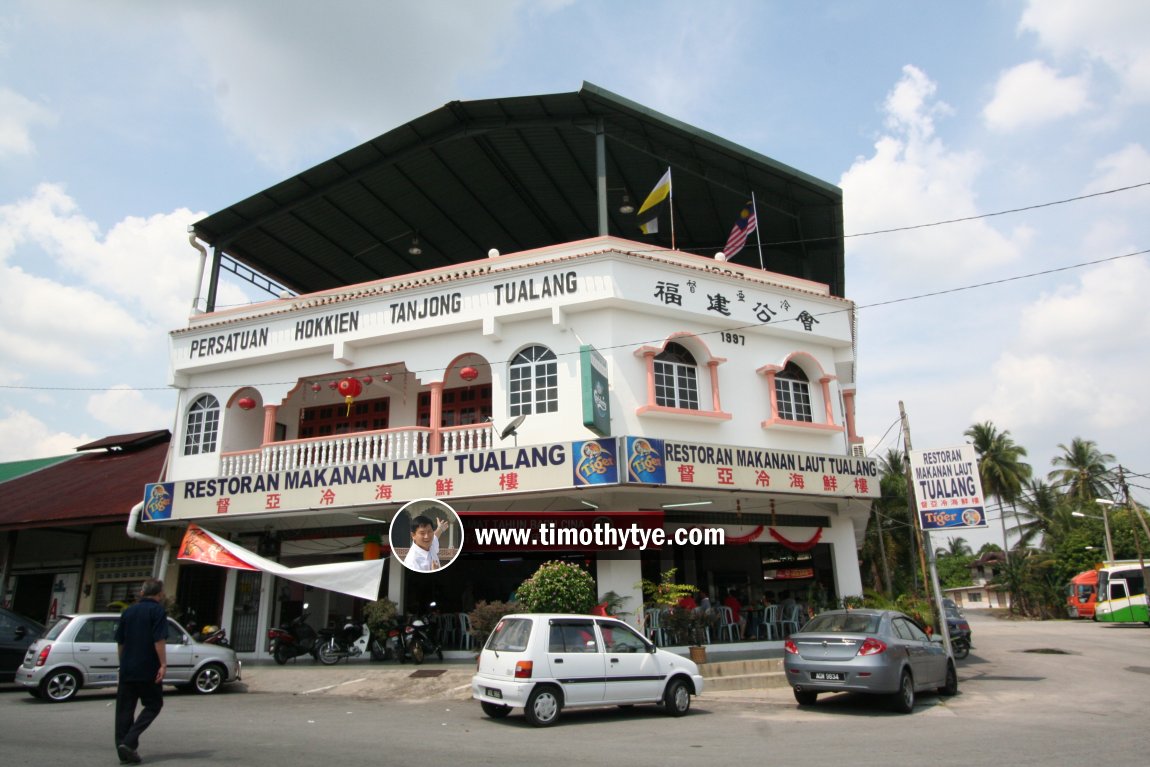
{"x": 558, "y": 587}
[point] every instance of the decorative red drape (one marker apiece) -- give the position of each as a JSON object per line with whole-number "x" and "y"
{"x": 792, "y": 545}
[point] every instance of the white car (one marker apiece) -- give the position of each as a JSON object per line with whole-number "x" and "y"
{"x": 544, "y": 663}
{"x": 80, "y": 651}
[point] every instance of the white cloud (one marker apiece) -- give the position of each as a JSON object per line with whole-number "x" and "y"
{"x": 18, "y": 115}
{"x": 1033, "y": 94}
{"x": 913, "y": 177}
{"x": 1113, "y": 33}
{"x": 126, "y": 410}
{"x": 1128, "y": 166}
{"x": 282, "y": 74}
{"x": 24, "y": 437}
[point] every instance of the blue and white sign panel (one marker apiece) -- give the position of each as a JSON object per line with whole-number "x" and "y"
{"x": 947, "y": 489}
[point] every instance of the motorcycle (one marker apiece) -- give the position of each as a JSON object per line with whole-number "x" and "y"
{"x": 217, "y": 635}
{"x": 418, "y": 639}
{"x": 352, "y": 640}
{"x": 960, "y": 634}
{"x": 391, "y": 646}
{"x": 293, "y": 639}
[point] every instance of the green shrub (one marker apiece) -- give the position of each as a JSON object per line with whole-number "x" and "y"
{"x": 558, "y": 587}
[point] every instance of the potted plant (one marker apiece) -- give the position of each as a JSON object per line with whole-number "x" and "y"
{"x": 684, "y": 623}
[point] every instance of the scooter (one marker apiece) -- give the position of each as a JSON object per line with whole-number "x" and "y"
{"x": 348, "y": 642}
{"x": 293, "y": 639}
{"x": 418, "y": 640}
{"x": 391, "y": 646}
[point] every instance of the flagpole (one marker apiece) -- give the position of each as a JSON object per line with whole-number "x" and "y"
{"x": 671, "y": 204}
{"x": 758, "y": 226}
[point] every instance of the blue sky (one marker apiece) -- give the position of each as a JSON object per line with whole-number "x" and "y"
{"x": 123, "y": 122}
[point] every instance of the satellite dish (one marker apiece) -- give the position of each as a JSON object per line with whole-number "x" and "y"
{"x": 511, "y": 429}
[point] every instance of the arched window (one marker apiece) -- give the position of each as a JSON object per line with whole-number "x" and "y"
{"x": 203, "y": 426}
{"x": 534, "y": 381}
{"x": 676, "y": 380}
{"x": 793, "y": 394}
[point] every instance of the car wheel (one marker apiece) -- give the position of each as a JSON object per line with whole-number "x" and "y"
{"x": 951, "y": 685}
{"x": 61, "y": 686}
{"x": 903, "y": 701}
{"x": 209, "y": 679}
{"x": 806, "y": 697}
{"x": 543, "y": 706}
{"x": 494, "y": 710}
{"x": 677, "y": 698}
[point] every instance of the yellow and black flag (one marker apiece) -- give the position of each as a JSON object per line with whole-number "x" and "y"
{"x": 653, "y": 205}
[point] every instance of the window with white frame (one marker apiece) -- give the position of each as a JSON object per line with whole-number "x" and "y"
{"x": 203, "y": 426}
{"x": 534, "y": 382}
{"x": 793, "y": 394}
{"x": 676, "y": 378}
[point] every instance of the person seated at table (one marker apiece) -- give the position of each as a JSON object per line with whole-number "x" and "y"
{"x": 768, "y": 598}
{"x": 704, "y": 601}
{"x": 732, "y": 601}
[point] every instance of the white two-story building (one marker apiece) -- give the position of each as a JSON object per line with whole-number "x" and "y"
{"x": 469, "y": 312}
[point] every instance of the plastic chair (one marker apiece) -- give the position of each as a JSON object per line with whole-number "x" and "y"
{"x": 791, "y": 617}
{"x": 653, "y": 626}
{"x": 728, "y": 624}
{"x": 465, "y": 637}
{"x": 770, "y": 623}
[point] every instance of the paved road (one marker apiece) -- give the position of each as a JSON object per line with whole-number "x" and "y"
{"x": 1022, "y": 702}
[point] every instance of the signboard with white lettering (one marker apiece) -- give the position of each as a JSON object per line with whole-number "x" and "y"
{"x": 685, "y": 464}
{"x": 947, "y": 488}
{"x": 483, "y": 473}
{"x": 596, "y": 397}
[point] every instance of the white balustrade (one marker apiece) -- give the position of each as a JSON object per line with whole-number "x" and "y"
{"x": 347, "y": 449}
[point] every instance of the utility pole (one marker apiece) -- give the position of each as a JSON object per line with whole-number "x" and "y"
{"x": 926, "y": 554}
{"x": 1133, "y": 508}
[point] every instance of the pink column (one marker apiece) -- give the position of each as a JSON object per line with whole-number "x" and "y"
{"x": 826, "y": 382}
{"x": 649, "y": 358}
{"x": 436, "y": 416}
{"x": 714, "y": 366}
{"x": 270, "y": 412}
{"x": 770, "y": 375}
{"x": 849, "y": 407}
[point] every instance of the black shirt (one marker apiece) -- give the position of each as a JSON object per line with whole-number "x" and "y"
{"x": 140, "y": 627}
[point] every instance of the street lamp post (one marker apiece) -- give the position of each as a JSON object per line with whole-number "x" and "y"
{"x": 1105, "y": 524}
{"x": 1104, "y": 503}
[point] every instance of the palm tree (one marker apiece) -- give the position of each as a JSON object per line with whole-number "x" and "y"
{"x": 1084, "y": 474}
{"x": 1046, "y": 514}
{"x": 1000, "y": 464}
{"x": 955, "y": 547}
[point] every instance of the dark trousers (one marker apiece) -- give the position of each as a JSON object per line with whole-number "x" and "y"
{"x": 128, "y": 725}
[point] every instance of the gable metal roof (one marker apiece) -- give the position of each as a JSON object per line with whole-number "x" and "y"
{"x": 521, "y": 173}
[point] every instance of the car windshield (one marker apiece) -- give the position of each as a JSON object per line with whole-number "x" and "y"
{"x": 852, "y": 623}
{"x": 510, "y": 635}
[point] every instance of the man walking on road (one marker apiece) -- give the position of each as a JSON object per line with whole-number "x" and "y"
{"x": 140, "y": 637}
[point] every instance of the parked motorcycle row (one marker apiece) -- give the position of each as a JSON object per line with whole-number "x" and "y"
{"x": 411, "y": 638}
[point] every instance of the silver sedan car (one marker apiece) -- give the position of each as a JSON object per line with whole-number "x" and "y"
{"x": 870, "y": 651}
{"x": 80, "y": 651}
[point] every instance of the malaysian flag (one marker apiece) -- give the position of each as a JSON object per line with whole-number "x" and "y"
{"x": 742, "y": 229}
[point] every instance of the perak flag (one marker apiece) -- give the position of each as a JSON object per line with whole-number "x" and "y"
{"x": 744, "y": 225}
{"x": 649, "y": 212}
{"x": 359, "y": 579}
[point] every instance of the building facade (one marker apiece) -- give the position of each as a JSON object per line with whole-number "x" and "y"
{"x": 554, "y": 395}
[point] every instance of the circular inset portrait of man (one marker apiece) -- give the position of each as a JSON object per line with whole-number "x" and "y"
{"x": 426, "y": 535}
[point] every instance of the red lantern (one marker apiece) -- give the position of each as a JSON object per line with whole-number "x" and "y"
{"x": 316, "y": 388}
{"x": 367, "y": 380}
{"x": 246, "y": 403}
{"x": 350, "y": 388}
{"x": 469, "y": 373}
{"x": 386, "y": 378}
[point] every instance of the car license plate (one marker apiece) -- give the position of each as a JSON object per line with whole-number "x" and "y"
{"x": 493, "y": 693}
{"x": 827, "y": 676}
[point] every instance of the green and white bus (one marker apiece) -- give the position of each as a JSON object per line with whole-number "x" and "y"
{"x": 1121, "y": 594}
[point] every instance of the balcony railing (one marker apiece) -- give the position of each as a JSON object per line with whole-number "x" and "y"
{"x": 359, "y": 447}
